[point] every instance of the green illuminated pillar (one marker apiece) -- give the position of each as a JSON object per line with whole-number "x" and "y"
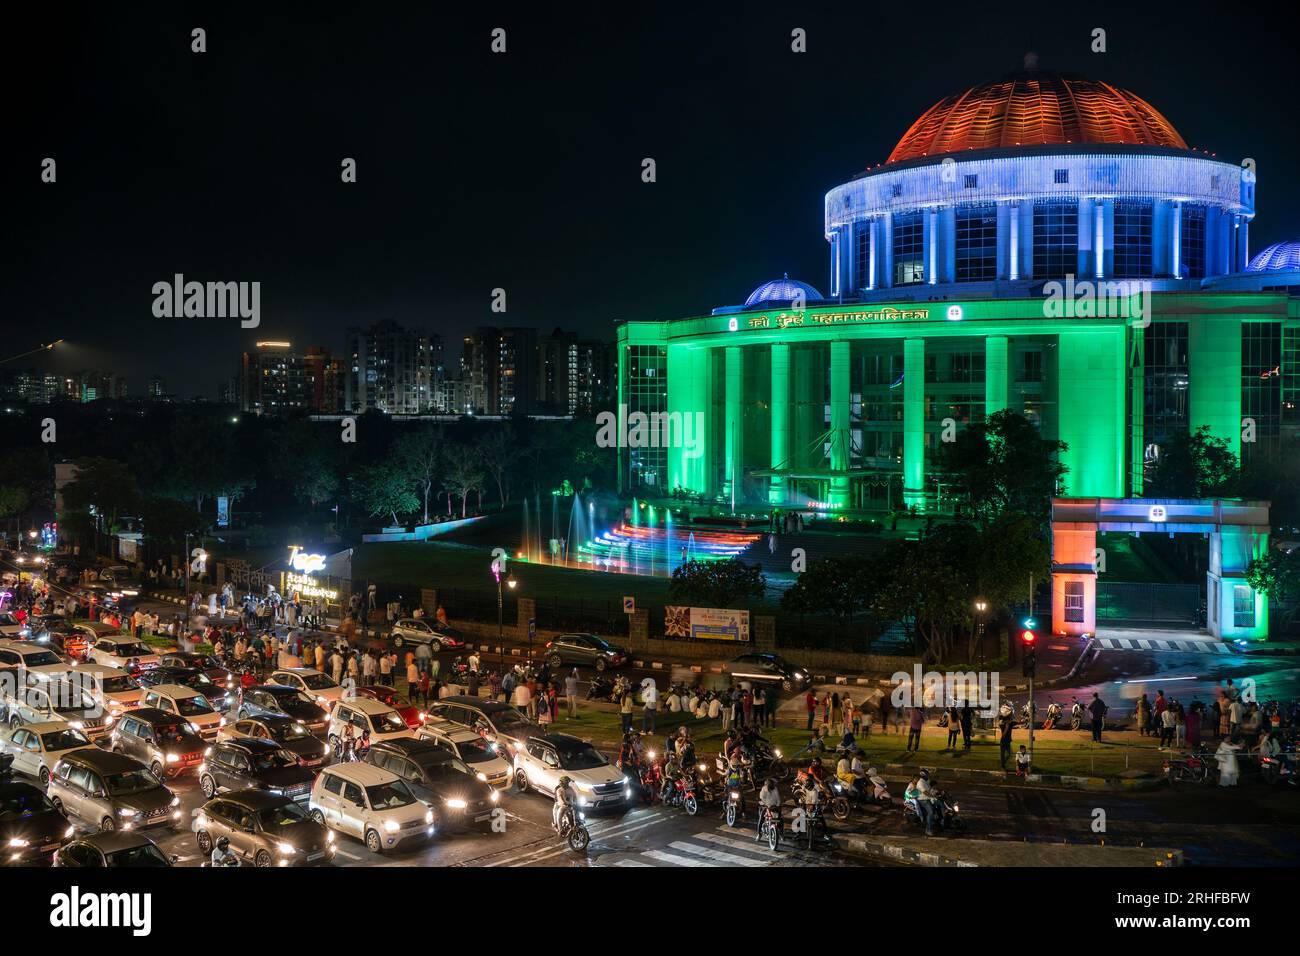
{"x": 624, "y": 485}
{"x": 1092, "y": 376}
{"x": 735, "y": 372}
{"x": 995, "y": 374}
{"x": 1214, "y": 367}
{"x": 681, "y": 399}
{"x": 780, "y": 418}
{"x": 1137, "y": 410}
{"x": 839, "y": 424}
{"x": 914, "y": 423}
{"x": 697, "y": 469}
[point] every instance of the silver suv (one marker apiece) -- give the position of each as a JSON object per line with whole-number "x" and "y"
{"x": 111, "y": 792}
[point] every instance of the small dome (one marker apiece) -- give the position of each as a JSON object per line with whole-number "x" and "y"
{"x": 1280, "y": 255}
{"x": 784, "y": 289}
{"x": 1034, "y": 108}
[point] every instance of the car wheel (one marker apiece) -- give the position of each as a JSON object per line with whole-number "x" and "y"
{"x": 318, "y": 817}
{"x": 436, "y": 824}
{"x": 209, "y": 786}
{"x": 58, "y": 805}
{"x": 107, "y": 825}
{"x": 44, "y": 777}
{"x": 373, "y": 843}
{"x": 205, "y": 842}
{"x": 554, "y": 660}
{"x": 787, "y": 686}
{"x": 157, "y": 769}
{"x": 435, "y": 646}
{"x": 601, "y": 664}
{"x": 521, "y": 781}
{"x": 397, "y": 640}
{"x": 262, "y": 859}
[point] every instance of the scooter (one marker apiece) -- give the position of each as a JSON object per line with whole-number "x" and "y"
{"x": 948, "y": 812}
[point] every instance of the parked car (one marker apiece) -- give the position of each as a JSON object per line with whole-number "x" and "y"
{"x": 498, "y": 722}
{"x": 123, "y": 848}
{"x": 316, "y": 685}
{"x": 440, "y": 780}
{"x": 280, "y": 700}
{"x": 410, "y": 630}
{"x": 371, "y": 804}
{"x": 32, "y": 827}
{"x": 768, "y": 669}
{"x": 216, "y": 694}
{"x": 265, "y": 829}
{"x": 36, "y": 748}
{"x": 586, "y": 650}
{"x": 13, "y": 629}
{"x": 482, "y": 757}
{"x": 112, "y": 791}
{"x": 165, "y": 743}
{"x": 413, "y": 715}
{"x": 120, "y": 650}
{"x": 293, "y": 736}
{"x": 187, "y": 704}
{"x": 364, "y": 715}
{"x": 547, "y": 757}
{"x": 257, "y": 764}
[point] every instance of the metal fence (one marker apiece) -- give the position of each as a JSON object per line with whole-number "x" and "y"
{"x": 1136, "y": 603}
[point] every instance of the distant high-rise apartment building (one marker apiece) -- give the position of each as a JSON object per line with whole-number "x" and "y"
{"x": 392, "y": 369}
{"x": 274, "y": 380}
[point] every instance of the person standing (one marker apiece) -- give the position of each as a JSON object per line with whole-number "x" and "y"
{"x": 837, "y": 713}
{"x": 810, "y": 704}
{"x": 412, "y": 675}
{"x": 1227, "y": 758}
{"x": 967, "y": 721}
{"x": 1194, "y": 726}
{"x": 1006, "y": 724}
{"x": 650, "y": 698}
{"x": 1098, "y": 710}
{"x": 1235, "y": 714}
{"x": 385, "y": 669}
{"x": 954, "y": 726}
{"x": 571, "y": 693}
{"x": 760, "y": 705}
{"x": 916, "y": 720}
{"x": 886, "y": 705}
{"x": 424, "y": 687}
{"x": 1167, "y": 723}
{"x": 1143, "y": 715}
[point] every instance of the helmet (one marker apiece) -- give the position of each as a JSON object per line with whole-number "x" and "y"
{"x": 565, "y": 781}
{"x": 770, "y": 783}
{"x": 817, "y": 761}
{"x": 223, "y": 843}
{"x": 924, "y": 774}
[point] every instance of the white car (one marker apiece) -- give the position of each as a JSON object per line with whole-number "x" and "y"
{"x": 32, "y": 661}
{"x": 56, "y": 702}
{"x": 36, "y": 748}
{"x": 12, "y": 628}
{"x": 482, "y": 756}
{"x": 365, "y": 714}
{"x": 114, "y": 690}
{"x": 545, "y": 758}
{"x": 188, "y": 704}
{"x": 318, "y": 686}
{"x": 371, "y": 804}
{"x": 119, "y": 650}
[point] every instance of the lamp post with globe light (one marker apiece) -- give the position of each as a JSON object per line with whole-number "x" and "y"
{"x": 980, "y": 607}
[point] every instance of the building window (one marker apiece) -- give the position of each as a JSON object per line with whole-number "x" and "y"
{"x": 1165, "y": 381}
{"x": 862, "y": 254}
{"x": 972, "y": 181}
{"x": 1056, "y": 238}
{"x": 1031, "y": 366}
{"x": 977, "y": 243}
{"x": 1261, "y": 385}
{"x": 896, "y": 190}
{"x": 1291, "y": 381}
{"x": 647, "y": 391}
{"x": 1074, "y": 602}
{"x": 909, "y": 248}
{"x": 1243, "y": 606}
{"x": 1191, "y": 236}
{"x": 1061, "y": 176}
{"x": 1132, "y": 239}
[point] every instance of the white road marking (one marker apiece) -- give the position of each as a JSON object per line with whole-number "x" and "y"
{"x": 718, "y": 856}
{"x": 632, "y": 863}
{"x": 674, "y": 859}
{"x": 735, "y": 844}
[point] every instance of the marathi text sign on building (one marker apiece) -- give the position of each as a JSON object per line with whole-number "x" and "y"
{"x": 706, "y": 623}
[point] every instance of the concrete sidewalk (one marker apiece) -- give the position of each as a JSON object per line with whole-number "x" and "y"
{"x": 945, "y": 851}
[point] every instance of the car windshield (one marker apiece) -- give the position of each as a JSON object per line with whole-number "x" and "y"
{"x": 200, "y": 680}
{"x": 390, "y": 796}
{"x": 130, "y": 650}
{"x": 171, "y": 731}
{"x": 144, "y": 855}
{"x": 119, "y": 685}
{"x": 194, "y": 706}
{"x": 131, "y": 781}
{"x": 318, "y": 682}
{"x": 450, "y": 771}
{"x": 41, "y": 659}
{"x": 478, "y": 751}
{"x": 389, "y": 722}
{"x": 293, "y": 732}
{"x": 291, "y": 696}
{"x": 599, "y": 643}
{"x": 581, "y": 758}
{"x": 64, "y": 740}
{"x": 20, "y": 803}
{"x": 286, "y": 815}
{"x": 274, "y": 760}
{"x": 508, "y": 719}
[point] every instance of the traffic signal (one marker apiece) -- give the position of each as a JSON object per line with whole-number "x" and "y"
{"x": 1029, "y": 648}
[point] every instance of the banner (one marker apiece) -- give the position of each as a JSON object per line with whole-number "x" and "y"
{"x": 706, "y": 623}
{"x": 223, "y": 511}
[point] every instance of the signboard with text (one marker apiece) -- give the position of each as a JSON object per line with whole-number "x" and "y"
{"x": 706, "y": 623}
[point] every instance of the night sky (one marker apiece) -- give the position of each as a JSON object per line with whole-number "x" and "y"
{"x": 520, "y": 170}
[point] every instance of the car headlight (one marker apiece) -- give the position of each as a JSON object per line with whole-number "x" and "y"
{"x": 176, "y": 801}
{"x": 495, "y": 797}
{"x": 76, "y": 725}
{"x": 127, "y": 811}
{"x": 584, "y": 787}
{"x": 221, "y": 722}
{"x": 207, "y": 751}
{"x": 329, "y": 836}
{"x": 776, "y": 753}
{"x": 286, "y": 849}
{"x": 455, "y": 803}
{"x": 16, "y": 842}
{"x": 69, "y": 833}
{"x": 173, "y": 758}
{"x": 582, "y": 801}
{"x": 392, "y": 826}
{"x": 482, "y": 777}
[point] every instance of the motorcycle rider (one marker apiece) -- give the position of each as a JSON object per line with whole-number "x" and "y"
{"x": 222, "y": 855}
{"x": 770, "y": 798}
{"x": 922, "y": 793}
{"x": 564, "y": 800}
{"x": 347, "y": 743}
{"x": 879, "y": 789}
{"x": 363, "y": 746}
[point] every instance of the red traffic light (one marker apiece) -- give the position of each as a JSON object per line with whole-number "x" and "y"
{"x": 1028, "y": 637}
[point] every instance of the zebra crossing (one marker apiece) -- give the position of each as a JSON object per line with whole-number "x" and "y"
{"x": 1152, "y": 644}
{"x": 723, "y": 846}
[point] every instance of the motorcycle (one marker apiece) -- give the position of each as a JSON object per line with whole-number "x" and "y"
{"x": 845, "y": 799}
{"x": 1076, "y": 715}
{"x": 735, "y": 805}
{"x": 949, "y": 811}
{"x": 573, "y": 830}
{"x": 1194, "y": 768}
{"x": 1027, "y": 714}
{"x": 770, "y": 828}
{"x": 680, "y": 791}
{"x": 1053, "y": 716}
{"x": 1276, "y": 770}
{"x": 599, "y": 688}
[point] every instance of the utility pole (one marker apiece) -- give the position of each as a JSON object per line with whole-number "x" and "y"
{"x": 1032, "y": 671}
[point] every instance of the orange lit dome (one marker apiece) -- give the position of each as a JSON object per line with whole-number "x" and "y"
{"x": 1034, "y": 108}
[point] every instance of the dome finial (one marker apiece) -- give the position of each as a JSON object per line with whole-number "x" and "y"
{"x": 1031, "y": 62}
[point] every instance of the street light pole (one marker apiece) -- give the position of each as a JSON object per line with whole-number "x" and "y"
{"x": 185, "y": 563}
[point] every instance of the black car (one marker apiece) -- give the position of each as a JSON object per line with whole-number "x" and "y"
{"x": 768, "y": 669}
{"x": 294, "y": 736}
{"x": 439, "y": 779}
{"x": 247, "y": 763}
{"x": 277, "y": 700}
{"x": 217, "y": 672}
{"x": 585, "y": 649}
{"x": 217, "y": 695}
{"x": 126, "y": 848}
{"x": 31, "y": 827}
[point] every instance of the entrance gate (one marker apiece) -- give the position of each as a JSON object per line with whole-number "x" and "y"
{"x": 1237, "y": 532}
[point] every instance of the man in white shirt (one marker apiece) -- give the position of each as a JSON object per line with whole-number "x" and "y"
{"x": 650, "y": 698}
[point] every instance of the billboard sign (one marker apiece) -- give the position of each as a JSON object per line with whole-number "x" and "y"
{"x": 706, "y": 623}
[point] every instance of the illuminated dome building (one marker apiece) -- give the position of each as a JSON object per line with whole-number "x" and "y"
{"x": 1042, "y": 243}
